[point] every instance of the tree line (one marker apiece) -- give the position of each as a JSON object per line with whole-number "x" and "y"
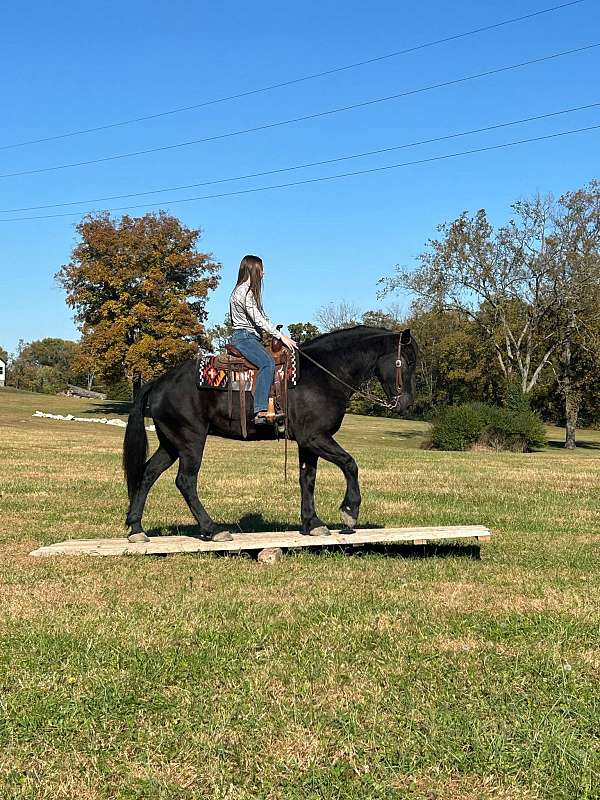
{"x": 499, "y": 312}
{"x": 530, "y": 289}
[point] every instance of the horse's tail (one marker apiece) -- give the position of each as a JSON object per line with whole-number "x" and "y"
{"x": 135, "y": 445}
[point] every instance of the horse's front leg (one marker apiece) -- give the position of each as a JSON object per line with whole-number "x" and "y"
{"x": 326, "y": 447}
{"x": 311, "y": 524}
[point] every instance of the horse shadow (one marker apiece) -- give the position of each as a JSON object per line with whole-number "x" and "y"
{"x": 256, "y": 523}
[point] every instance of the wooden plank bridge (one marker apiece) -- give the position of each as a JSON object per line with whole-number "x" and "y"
{"x": 269, "y": 544}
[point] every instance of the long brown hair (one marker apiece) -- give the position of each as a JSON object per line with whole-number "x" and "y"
{"x": 251, "y": 268}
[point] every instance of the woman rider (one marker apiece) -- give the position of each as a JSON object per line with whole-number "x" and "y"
{"x": 248, "y": 320}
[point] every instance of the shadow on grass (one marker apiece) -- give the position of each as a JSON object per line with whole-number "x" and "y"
{"x": 120, "y": 407}
{"x": 404, "y": 550}
{"x": 557, "y": 444}
{"x": 256, "y": 523}
{"x": 412, "y": 433}
{"x": 249, "y": 523}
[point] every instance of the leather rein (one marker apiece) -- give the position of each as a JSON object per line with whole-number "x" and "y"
{"x": 367, "y": 395}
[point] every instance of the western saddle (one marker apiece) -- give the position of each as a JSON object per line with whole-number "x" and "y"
{"x": 242, "y": 377}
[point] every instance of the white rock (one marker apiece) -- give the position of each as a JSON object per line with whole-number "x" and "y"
{"x": 118, "y": 423}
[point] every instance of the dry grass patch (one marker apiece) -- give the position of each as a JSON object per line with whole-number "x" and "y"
{"x": 459, "y": 644}
{"x": 591, "y": 657}
{"x": 49, "y": 776}
{"x": 464, "y": 787}
{"x": 297, "y": 747}
{"x": 467, "y": 597}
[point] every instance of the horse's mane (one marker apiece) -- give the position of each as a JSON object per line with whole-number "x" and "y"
{"x": 342, "y": 336}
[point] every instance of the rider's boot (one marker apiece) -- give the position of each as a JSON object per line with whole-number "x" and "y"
{"x": 268, "y": 417}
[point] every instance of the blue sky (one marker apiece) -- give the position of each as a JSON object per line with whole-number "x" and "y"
{"x": 70, "y": 65}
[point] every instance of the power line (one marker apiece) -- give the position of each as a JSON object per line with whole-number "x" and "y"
{"x": 316, "y": 115}
{"x": 324, "y": 178}
{"x": 293, "y": 81}
{"x": 323, "y": 162}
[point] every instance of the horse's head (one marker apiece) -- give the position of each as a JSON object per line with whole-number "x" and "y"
{"x": 396, "y": 371}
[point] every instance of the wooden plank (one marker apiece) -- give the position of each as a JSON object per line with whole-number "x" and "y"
{"x": 165, "y": 545}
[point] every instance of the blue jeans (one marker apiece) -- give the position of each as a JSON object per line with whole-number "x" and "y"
{"x": 251, "y": 347}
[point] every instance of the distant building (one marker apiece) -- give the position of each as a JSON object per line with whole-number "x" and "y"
{"x": 2, "y": 372}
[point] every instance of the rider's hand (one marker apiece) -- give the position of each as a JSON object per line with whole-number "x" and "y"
{"x": 288, "y": 342}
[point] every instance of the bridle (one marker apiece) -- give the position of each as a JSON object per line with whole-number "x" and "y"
{"x": 367, "y": 395}
{"x": 399, "y": 376}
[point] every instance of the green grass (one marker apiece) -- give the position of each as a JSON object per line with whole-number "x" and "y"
{"x": 323, "y": 676}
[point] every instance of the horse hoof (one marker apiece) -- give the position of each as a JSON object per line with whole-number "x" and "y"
{"x": 322, "y": 530}
{"x": 137, "y": 537}
{"x": 222, "y": 536}
{"x": 348, "y": 521}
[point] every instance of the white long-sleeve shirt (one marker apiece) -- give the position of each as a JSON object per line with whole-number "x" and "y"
{"x": 245, "y": 313}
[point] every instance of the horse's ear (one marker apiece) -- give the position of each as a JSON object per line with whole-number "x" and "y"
{"x": 405, "y": 337}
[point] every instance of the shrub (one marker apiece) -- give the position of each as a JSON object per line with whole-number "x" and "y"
{"x": 118, "y": 390}
{"x": 517, "y": 431}
{"x": 516, "y": 399}
{"x": 480, "y": 425}
{"x": 361, "y": 405}
{"x": 459, "y": 427}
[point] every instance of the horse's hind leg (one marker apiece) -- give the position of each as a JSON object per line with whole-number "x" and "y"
{"x": 155, "y": 466}
{"x": 190, "y": 460}
{"x": 311, "y": 524}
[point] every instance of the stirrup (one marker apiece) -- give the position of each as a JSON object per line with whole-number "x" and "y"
{"x": 268, "y": 418}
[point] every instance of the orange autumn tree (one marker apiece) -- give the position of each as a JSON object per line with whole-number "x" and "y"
{"x": 139, "y": 288}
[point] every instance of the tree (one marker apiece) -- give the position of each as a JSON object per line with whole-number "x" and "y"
{"x": 334, "y": 316}
{"x": 45, "y": 365}
{"x": 139, "y": 287}
{"x": 455, "y": 363}
{"x": 85, "y": 365}
{"x": 219, "y": 335}
{"x": 17, "y": 376}
{"x": 393, "y": 318}
{"x": 51, "y": 352}
{"x": 495, "y": 278}
{"x": 532, "y": 287}
{"x": 575, "y": 291}
{"x": 303, "y": 331}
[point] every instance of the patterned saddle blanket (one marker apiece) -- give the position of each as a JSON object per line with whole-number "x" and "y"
{"x": 223, "y": 371}
{"x": 231, "y": 372}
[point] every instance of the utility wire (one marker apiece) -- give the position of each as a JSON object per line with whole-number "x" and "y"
{"x": 294, "y": 81}
{"x": 317, "y": 115}
{"x": 324, "y": 178}
{"x": 264, "y": 173}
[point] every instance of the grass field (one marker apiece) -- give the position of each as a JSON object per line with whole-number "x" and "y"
{"x": 443, "y": 677}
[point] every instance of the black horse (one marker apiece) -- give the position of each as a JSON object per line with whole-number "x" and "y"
{"x": 333, "y": 365}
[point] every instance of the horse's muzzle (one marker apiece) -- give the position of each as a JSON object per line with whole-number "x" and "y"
{"x": 402, "y": 402}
